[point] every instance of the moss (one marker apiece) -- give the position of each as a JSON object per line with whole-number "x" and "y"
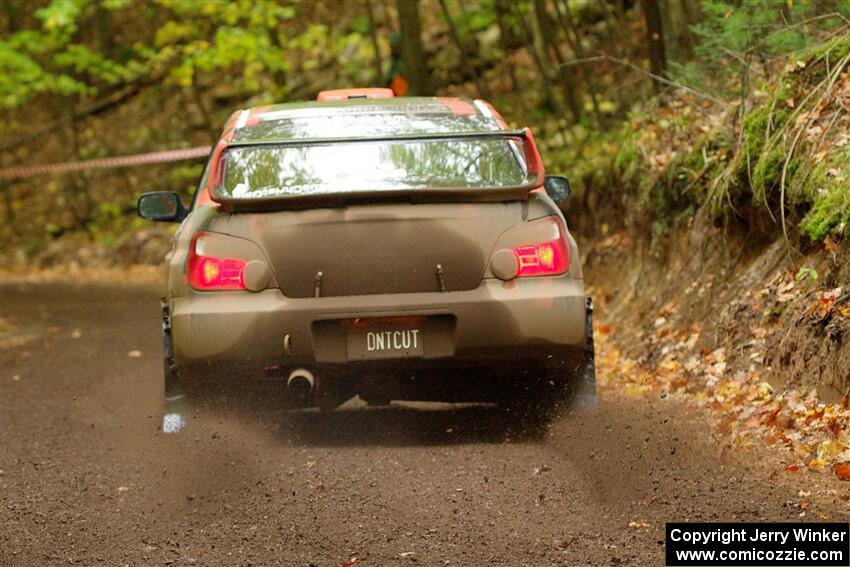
{"x": 835, "y": 49}
{"x": 830, "y": 209}
{"x": 767, "y": 171}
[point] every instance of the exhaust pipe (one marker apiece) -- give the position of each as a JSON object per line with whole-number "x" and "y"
{"x": 300, "y": 383}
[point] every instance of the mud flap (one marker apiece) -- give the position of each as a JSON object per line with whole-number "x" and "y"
{"x": 585, "y": 396}
{"x": 173, "y": 418}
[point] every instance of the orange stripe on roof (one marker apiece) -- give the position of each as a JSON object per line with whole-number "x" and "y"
{"x": 497, "y": 115}
{"x": 457, "y": 106}
{"x": 256, "y": 115}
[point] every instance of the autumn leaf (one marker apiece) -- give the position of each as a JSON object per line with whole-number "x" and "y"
{"x": 842, "y": 470}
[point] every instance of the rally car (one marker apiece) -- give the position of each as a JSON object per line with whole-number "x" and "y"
{"x": 388, "y": 247}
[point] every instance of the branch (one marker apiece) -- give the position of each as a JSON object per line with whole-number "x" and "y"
{"x": 653, "y": 76}
{"x": 762, "y": 41}
{"x": 91, "y": 110}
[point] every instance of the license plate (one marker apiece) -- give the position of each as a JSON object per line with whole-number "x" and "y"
{"x": 385, "y": 338}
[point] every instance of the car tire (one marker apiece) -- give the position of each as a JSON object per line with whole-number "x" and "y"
{"x": 544, "y": 395}
{"x": 174, "y": 410}
{"x": 584, "y": 394}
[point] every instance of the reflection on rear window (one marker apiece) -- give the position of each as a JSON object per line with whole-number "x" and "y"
{"x": 288, "y": 171}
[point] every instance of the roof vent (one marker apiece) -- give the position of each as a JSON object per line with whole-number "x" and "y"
{"x": 348, "y": 94}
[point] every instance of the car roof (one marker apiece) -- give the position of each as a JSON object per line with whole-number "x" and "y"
{"x": 362, "y": 118}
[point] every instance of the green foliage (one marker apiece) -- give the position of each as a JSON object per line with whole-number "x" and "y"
{"x": 59, "y": 18}
{"x": 729, "y": 30}
{"x": 196, "y": 42}
{"x": 46, "y": 61}
{"x": 806, "y": 274}
{"x": 242, "y": 39}
{"x": 830, "y": 202}
{"x": 22, "y": 77}
{"x": 735, "y": 36}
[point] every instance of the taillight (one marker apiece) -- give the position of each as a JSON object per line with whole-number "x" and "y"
{"x": 544, "y": 259}
{"x": 212, "y": 273}
{"x": 547, "y": 258}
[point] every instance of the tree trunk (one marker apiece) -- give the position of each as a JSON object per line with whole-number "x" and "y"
{"x": 615, "y": 25}
{"x": 655, "y": 38}
{"x": 568, "y": 27}
{"x": 412, "y": 54}
{"x": 544, "y": 34}
{"x": 373, "y": 35}
{"x": 76, "y": 191}
{"x": 548, "y": 96}
{"x": 693, "y": 11}
{"x": 677, "y": 29}
{"x": 504, "y": 18}
{"x": 546, "y": 82}
{"x": 104, "y": 34}
{"x": 482, "y": 90}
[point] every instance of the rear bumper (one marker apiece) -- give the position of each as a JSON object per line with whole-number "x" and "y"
{"x": 541, "y": 319}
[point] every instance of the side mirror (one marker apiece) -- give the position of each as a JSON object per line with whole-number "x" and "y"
{"x": 161, "y": 206}
{"x": 557, "y": 187}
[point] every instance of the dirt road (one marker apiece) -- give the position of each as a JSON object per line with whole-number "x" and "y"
{"x": 87, "y": 478}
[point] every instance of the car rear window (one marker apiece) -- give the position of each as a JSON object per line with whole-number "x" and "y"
{"x": 252, "y": 172}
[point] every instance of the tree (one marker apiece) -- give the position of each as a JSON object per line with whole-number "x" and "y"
{"x": 678, "y": 17}
{"x": 412, "y": 54}
{"x": 373, "y": 36}
{"x": 573, "y": 37}
{"x": 461, "y": 47}
{"x": 505, "y": 19}
{"x": 655, "y": 38}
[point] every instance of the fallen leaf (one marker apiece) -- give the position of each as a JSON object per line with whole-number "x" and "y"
{"x": 842, "y": 470}
{"x": 350, "y": 563}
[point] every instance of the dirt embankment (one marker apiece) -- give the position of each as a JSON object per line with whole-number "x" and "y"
{"x": 717, "y": 247}
{"x": 747, "y": 327}
{"x": 771, "y": 307}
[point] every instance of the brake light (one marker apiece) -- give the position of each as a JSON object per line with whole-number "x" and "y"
{"x": 543, "y": 259}
{"x": 211, "y": 273}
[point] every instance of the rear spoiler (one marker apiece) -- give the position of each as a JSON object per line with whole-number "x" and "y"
{"x": 533, "y": 162}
